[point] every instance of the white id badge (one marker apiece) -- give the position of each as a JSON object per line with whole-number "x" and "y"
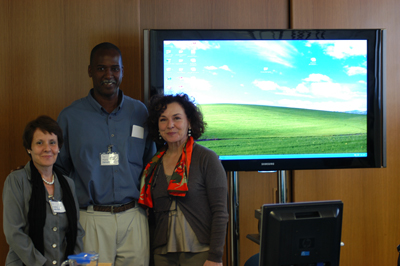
{"x": 109, "y": 158}
{"x": 57, "y": 206}
{"x": 137, "y": 132}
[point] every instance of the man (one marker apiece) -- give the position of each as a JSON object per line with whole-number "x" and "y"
{"x": 105, "y": 150}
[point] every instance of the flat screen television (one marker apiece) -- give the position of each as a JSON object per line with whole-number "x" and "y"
{"x": 278, "y": 99}
{"x": 306, "y": 233}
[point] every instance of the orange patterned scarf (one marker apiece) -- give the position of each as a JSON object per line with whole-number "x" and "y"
{"x": 177, "y": 185}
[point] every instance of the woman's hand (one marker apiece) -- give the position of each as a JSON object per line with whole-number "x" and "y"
{"x": 212, "y": 263}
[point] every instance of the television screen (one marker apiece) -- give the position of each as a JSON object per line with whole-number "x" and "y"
{"x": 279, "y": 99}
{"x": 306, "y": 233}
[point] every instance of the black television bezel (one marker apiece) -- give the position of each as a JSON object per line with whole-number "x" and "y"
{"x": 281, "y": 233}
{"x": 376, "y": 124}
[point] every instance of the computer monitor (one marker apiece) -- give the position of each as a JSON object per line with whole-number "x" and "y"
{"x": 278, "y": 99}
{"x": 301, "y": 234}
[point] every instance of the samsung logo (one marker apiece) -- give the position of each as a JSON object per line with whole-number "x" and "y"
{"x": 263, "y": 164}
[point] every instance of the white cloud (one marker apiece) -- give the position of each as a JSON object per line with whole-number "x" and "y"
{"x": 313, "y": 61}
{"x": 343, "y": 48}
{"x": 315, "y": 86}
{"x": 333, "y": 106}
{"x": 302, "y": 88}
{"x": 266, "y": 85}
{"x": 211, "y": 67}
{"x": 300, "y": 91}
{"x": 281, "y": 52}
{"x": 331, "y": 90}
{"x": 225, "y": 67}
{"x": 317, "y": 78}
{"x": 351, "y": 71}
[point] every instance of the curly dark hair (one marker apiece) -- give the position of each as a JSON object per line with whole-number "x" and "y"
{"x": 45, "y": 124}
{"x": 158, "y": 104}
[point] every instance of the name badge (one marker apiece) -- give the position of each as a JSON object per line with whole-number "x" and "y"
{"x": 57, "y": 206}
{"x": 137, "y": 132}
{"x": 109, "y": 158}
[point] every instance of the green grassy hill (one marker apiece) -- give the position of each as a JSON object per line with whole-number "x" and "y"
{"x": 252, "y": 129}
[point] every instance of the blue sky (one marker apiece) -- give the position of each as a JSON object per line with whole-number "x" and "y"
{"x": 321, "y": 75}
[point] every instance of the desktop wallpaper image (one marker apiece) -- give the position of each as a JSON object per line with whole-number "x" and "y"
{"x": 272, "y": 98}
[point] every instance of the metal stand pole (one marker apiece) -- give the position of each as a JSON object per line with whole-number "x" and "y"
{"x": 282, "y": 186}
{"x": 234, "y": 222}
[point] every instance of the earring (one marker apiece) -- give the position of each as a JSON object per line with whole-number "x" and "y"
{"x": 29, "y": 152}
{"x": 189, "y": 132}
{"x": 59, "y": 151}
{"x": 159, "y": 135}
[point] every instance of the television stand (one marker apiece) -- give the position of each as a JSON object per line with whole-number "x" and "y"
{"x": 234, "y": 208}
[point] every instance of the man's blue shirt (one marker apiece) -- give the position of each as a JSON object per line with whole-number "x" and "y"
{"x": 90, "y": 131}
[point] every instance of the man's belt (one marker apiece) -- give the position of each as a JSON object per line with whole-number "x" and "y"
{"x": 114, "y": 209}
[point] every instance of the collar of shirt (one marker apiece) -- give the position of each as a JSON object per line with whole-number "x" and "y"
{"x": 100, "y": 109}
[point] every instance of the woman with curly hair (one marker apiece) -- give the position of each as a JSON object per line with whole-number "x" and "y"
{"x": 185, "y": 184}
